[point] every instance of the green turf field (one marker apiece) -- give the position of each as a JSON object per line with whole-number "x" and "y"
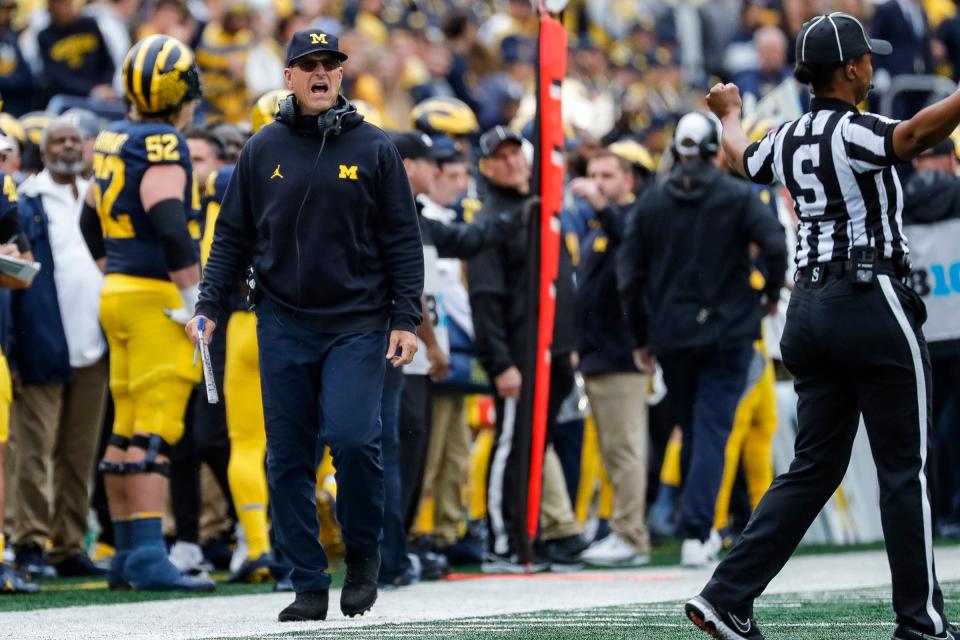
{"x": 552, "y": 606}
{"x": 856, "y": 615}
{"x": 74, "y": 592}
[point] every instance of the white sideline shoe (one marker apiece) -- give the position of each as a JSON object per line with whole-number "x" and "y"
{"x": 240, "y": 551}
{"x": 187, "y": 557}
{"x": 697, "y": 554}
{"x": 614, "y": 551}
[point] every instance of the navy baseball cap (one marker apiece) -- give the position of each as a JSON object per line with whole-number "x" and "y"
{"x": 310, "y": 41}
{"x": 445, "y": 150}
{"x": 836, "y": 38}
{"x": 413, "y": 145}
{"x": 492, "y": 139}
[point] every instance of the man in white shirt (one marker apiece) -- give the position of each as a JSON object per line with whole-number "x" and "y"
{"x": 60, "y": 366}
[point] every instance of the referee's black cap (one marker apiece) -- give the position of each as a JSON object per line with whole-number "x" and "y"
{"x": 836, "y": 38}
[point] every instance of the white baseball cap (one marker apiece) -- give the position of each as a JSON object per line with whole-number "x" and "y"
{"x": 696, "y": 132}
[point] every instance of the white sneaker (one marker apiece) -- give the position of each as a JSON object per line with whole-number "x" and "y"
{"x": 614, "y": 551}
{"x": 240, "y": 551}
{"x": 494, "y": 564}
{"x": 697, "y": 554}
{"x": 187, "y": 557}
{"x": 714, "y": 543}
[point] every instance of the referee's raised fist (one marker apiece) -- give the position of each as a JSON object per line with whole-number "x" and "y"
{"x": 723, "y": 99}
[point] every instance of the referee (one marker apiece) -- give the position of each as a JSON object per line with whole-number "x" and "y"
{"x": 852, "y": 339}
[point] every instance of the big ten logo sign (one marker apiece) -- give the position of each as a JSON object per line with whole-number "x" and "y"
{"x": 433, "y": 308}
{"x": 936, "y": 280}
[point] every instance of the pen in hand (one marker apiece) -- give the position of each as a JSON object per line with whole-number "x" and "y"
{"x": 196, "y": 347}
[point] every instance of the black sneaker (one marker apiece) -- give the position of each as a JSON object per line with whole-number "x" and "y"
{"x": 218, "y": 553}
{"x": 433, "y": 566}
{"x": 562, "y": 551}
{"x": 31, "y": 560}
{"x": 360, "y": 584}
{"x": 903, "y": 632}
{"x": 464, "y": 551}
{"x": 12, "y": 582}
{"x": 254, "y": 570}
{"x": 79, "y": 565}
{"x": 311, "y": 605}
{"x": 722, "y": 625}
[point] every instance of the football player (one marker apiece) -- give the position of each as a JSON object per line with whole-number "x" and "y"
{"x": 135, "y": 223}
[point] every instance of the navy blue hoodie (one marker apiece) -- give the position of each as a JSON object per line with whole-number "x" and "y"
{"x": 605, "y": 342}
{"x": 333, "y": 237}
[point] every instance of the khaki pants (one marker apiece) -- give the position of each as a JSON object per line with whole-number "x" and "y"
{"x": 618, "y": 402}
{"x": 557, "y": 519}
{"x": 57, "y": 431}
{"x": 214, "y": 511}
{"x": 448, "y": 455}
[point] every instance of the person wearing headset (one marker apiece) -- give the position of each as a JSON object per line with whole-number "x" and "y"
{"x": 684, "y": 275}
{"x": 320, "y": 205}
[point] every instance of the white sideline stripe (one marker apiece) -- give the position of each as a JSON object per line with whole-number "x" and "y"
{"x": 842, "y": 577}
{"x": 894, "y": 302}
{"x": 501, "y": 541}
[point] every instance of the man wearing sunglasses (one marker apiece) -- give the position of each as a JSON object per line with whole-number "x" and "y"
{"x": 321, "y": 206}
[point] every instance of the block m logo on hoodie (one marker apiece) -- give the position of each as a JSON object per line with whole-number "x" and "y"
{"x": 348, "y": 172}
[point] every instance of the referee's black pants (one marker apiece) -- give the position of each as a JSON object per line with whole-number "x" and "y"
{"x": 851, "y": 350}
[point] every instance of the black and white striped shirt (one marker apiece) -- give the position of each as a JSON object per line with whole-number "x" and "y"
{"x": 837, "y": 164}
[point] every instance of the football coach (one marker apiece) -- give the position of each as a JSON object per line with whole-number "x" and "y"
{"x": 320, "y": 205}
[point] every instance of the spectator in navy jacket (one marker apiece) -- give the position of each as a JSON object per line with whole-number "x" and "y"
{"x": 904, "y": 24}
{"x": 59, "y": 358}
{"x": 771, "y": 46}
{"x": 16, "y": 81}
{"x": 75, "y": 55}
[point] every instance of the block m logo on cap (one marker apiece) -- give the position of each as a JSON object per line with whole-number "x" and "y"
{"x": 348, "y": 172}
{"x": 318, "y": 38}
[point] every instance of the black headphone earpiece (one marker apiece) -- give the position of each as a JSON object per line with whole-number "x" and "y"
{"x": 287, "y": 111}
{"x": 330, "y": 123}
{"x": 710, "y": 144}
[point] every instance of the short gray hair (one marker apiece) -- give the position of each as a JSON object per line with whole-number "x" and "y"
{"x": 57, "y": 123}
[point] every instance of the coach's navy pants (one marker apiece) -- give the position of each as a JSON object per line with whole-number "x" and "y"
{"x": 321, "y": 389}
